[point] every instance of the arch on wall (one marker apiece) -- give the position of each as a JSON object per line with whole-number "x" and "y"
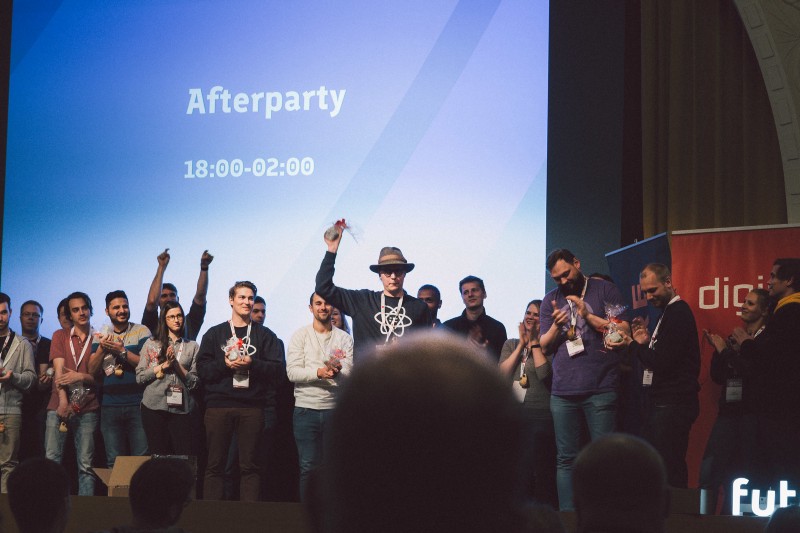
{"x": 774, "y": 30}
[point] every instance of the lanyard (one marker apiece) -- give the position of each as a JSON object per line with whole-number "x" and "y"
{"x": 4, "y": 351}
{"x": 388, "y": 326}
{"x": 180, "y": 351}
{"x": 35, "y": 343}
{"x": 658, "y": 325}
{"x": 524, "y": 361}
{"x": 242, "y": 346}
{"x": 174, "y": 378}
{"x": 322, "y": 348}
{"x": 573, "y": 313}
{"x": 85, "y": 346}
{"x": 247, "y": 335}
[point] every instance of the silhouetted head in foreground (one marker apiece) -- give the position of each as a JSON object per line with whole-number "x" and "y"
{"x": 425, "y": 437}
{"x": 38, "y": 494}
{"x": 620, "y": 484}
{"x": 784, "y": 520}
{"x": 160, "y": 489}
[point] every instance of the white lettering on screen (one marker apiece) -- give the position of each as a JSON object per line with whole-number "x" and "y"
{"x": 218, "y": 100}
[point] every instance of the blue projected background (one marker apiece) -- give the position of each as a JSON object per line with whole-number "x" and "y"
{"x": 247, "y": 127}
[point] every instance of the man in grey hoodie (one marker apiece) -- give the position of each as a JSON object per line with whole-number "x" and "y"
{"x": 16, "y": 376}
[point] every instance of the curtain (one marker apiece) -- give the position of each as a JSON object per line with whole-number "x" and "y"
{"x": 710, "y": 154}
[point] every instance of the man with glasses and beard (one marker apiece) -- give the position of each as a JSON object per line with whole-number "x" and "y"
{"x": 34, "y": 404}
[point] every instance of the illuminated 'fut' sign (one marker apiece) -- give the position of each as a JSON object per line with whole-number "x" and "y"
{"x": 739, "y": 491}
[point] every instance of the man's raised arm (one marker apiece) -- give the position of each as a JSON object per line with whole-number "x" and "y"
{"x": 155, "y": 287}
{"x": 202, "y": 279}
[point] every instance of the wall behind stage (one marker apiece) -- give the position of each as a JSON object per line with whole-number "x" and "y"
{"x": 586, "y": 130}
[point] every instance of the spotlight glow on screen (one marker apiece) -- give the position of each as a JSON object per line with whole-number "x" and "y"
{"x": 247, "y": 127}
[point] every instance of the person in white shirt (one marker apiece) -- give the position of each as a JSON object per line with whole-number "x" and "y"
{"x": 318, "y": 356}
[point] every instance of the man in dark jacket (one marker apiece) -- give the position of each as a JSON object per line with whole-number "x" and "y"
{"x": 379, "y": 317}
{"x": 775, "y": 358}
{"x": 671, "y": 361}
{"x": 240, "y": 364}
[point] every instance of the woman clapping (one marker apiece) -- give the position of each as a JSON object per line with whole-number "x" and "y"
{"x": 168, "y": 367}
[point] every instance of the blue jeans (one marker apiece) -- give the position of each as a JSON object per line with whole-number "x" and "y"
{"x": 310, "y": 432}
{"x": 123, "y": 433}
{"x": 82, "y": 427}
{"x": 599, "y": 411}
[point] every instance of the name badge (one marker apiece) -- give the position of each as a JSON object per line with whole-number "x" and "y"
{"x": 647, "y": 378}
{"x": 108, "y": 364}
{"x": 733, "y": 390}
{"x": 174, "y": 396}
{"x": 575, "y": 347}
{"x": 241, "y": 380}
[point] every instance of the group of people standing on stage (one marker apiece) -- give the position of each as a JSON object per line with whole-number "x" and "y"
{"x": 757, "y": 431}
{"x": 151, "y": 388}
{"x": 568, "y": 373}
{"x": 578, "y": 344}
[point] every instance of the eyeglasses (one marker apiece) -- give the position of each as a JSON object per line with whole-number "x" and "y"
{"x": 31, "y": 315}
{"x": 174, "y": 317}
{"x": 396, "y": 273}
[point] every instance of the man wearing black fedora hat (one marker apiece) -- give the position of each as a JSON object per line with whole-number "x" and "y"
{"x": 379, "y": 317}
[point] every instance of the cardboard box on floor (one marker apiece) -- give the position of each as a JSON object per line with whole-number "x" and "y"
{"x": 118, "y": 479}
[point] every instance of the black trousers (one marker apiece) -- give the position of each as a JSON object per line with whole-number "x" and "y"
{"x": 667, "y": 428}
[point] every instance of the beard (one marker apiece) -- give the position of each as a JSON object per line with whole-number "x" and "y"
{"x": 574, "y": 287}
{"x": 119, "y": 324}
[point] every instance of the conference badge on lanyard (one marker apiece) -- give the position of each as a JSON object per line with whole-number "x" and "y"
{"x": 175, "y": 396}
{"x": 574, "y": 340}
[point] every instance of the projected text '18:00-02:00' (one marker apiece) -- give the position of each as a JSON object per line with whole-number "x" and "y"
{"x": 259, "y": 167}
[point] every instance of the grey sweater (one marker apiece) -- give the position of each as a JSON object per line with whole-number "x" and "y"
{"x": 537, "y": 396}
{"x": 19, "y": 360}
{"x": 155, "y": 394}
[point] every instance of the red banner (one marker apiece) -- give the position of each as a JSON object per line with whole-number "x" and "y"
{"x": 713, "y": 271}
